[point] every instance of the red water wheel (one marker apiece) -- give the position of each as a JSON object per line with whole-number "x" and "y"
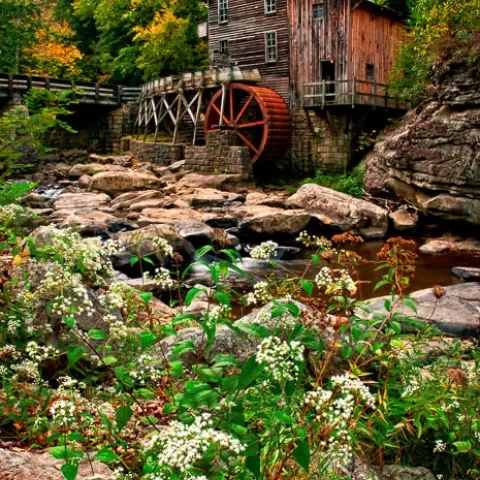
{"x": 258, "y": 115}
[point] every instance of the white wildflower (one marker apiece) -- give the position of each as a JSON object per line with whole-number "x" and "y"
{"x": 163, "y": 246}
{"x": 440, "y": 446}
{"x": 161, "y": 278}
{"x": 264, "y": 251}
{"x": 63, "y": 411}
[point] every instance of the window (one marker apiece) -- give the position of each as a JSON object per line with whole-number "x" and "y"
{"x": 370, "y": 71}
{"x": 222, "y": 11}
{"x": 270, "y": 6}
{"x": 271, "y": 46}
{"x": 224, "y": 47}
{"x": 318, "y": 12}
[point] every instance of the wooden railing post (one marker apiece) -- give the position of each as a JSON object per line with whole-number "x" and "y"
{"x": 323, "y": 93}
{"x": 29, "y": 82}
{"x": 72, "y": 87}
{"x": 47, "y": 83}
{"x": 119, "y": 94}
{"x": 354, "y": 89}
{"x": 374, "y": 96}
{"x": 10, "y": 85}
{"x": 97, "y": 92}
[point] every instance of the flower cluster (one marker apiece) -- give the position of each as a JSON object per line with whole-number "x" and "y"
{"x": 264, "y": 251}
{"x": 69, "y": 384}
{"x": 440, "y": 446}
{"x": 336, "y": 408}
{"x": 218, "y": 312}
{"x": 161, "y": 278}
{"x": 163, "y": 247}
{"x": 260, "y": 294}
{"x": 118, "y": 329}
{"x": 27, "y": 369}
{"x": 280, "y": 358}
{"x": 335, "y": 281}
{"x": 39, "y": 353}
{"x": 147, "y": 370}
{"x": 180, "y": 446}
{"x": 63, "y": 411}
{"x": 9, "y": 214}
{"x": 314, "y": 241}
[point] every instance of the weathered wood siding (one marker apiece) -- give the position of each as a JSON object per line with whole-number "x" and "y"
{"x": 376, "y": 39}
{"x": 245, "y": 32}
{"x": 315, "y": 40}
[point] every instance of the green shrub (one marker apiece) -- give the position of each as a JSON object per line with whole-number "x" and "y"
{"x": 352, "y": 183}
{"x": 13, "y": 192}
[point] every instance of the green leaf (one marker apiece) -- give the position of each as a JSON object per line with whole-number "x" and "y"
{"x": 183, "y": 347}
{"x": 252, "y": 462}
{"x": 250, "y": 371}
{"x": 381, "y": 283}
{"x": 106, "y": 455}
{"x": 302, "y": 454}
{"x": 307, "y": 286}
{"x": 146, "y": 297}
{"x": 69, "y": 471}
{"x": 202, "y": 251}
{"x": 124, "y": 376}
{"x": 97, "y": 334}
{"x": 69, "y": 321}
{"x": 222, "y": 298}
{"x": 148, "y": 260}
{"x": 356, "y": 332}
{"x": 253, "y": 329}
{"x": 110, "y": 360}
{"x": 74, "y": 354}
{"x": 133, "y": 261}
{"x": 122, "y": 416}
{"x": 463, "y": 447}
{"x": 147, "y": 339}
{"x": 193, "y": 294}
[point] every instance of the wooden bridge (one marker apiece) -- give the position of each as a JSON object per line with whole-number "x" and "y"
{"x": 84, "y": 92}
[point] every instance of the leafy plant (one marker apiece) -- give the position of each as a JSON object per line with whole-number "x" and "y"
{"x": 352, "y": 183}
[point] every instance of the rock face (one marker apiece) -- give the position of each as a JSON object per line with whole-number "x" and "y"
{"x": 28, "y": 466}
{"x": 340, "y": 211}
{"x": 431, "y": 158}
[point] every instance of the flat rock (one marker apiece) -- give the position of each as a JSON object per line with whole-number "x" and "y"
{"x": 225, "y": 182}
{"x": 124, "y": 181}
{"x": 81, "y": 200}
{"x": 457, "y": 313}
{"x": 171, "y": 215}
{"x": 42, "y": 466}
{"x": 403, "y": 220}
{"x": 122, "y": 160}
{"x": 126, "y": 200}
{"x": 209, "y": 197}
{"x": 196, "y": 232}
{"x": 93, "y": 221}
{"x": 91, "y": 168}
{"x": 467, "y": 273}
{"x": 268, "y": 220}
{"x": 339, "y": 210}
{"x": 450, "y": 243}
{"x": 258, "y": 198}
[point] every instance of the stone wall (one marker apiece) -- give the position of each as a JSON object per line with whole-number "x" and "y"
{"x": 320, "y": 141}
{"x": 159, "y": 153}
{"x": 222, "y": 154}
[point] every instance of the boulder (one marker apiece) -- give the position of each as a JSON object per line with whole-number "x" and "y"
{"x": 42, "y": 466}
{"x": 115, "y": 183}
{"x": 268, "y": 220}
{"x": 171, "y": 216}
{"x": 122, "y": 160}
{"x": 196, "y": 232}
{"x": 140, "y": 242}
{"x": 450, "y": 243}
{"x": 81, "y": 200}
{"x": 126, "y": 200}
{"x": 91, "y": 168}
{"x": 225, "y": 182}
{"x": 430, "y": 157}
{"x": 467, "y": 273}
{"x": 403, "y": 220}
{"x": 87, "y": 221}
{"x": 456, "y": 313}
{"x": 84, "y": 181}
{"x": 340, "y": 211}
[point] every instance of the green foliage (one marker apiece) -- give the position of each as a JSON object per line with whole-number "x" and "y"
{"x": 351, "y": 183}
{"x": 13, "y": 192}
{"x": 25, "y": 127}
{"x": 271, "y": 409}
{"x": 438, "y": 29}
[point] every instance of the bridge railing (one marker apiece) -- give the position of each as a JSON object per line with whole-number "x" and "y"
{"x": 85, "y": 92}
{"x": 349, "y": 93}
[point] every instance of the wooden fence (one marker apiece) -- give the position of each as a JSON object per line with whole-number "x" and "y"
{"x": 349, "y": 93}
{"x": 85, "y": 92}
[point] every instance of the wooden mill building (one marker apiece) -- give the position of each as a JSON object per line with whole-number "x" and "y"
{"x": 329, "y": 60}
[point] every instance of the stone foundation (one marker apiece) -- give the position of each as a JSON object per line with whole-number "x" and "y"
{"x": 222, "y": 154}
{"x": 159, "y": 153}
{"x": 320, "y": 141}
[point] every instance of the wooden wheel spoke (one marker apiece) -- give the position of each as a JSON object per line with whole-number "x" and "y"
{"x": 230, "y": 95}
{"x": 244, "y": 108}
{"x": 218, "y": 111}
{"x": 252, "y": 124}
{"x": 248, "y": 143}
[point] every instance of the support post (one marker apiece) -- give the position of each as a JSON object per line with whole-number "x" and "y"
{"x": 354, "y": 89}
{"x": 197, "y": 115}
{"x": 222, "y": 106}
{"x": 177, "y": 119}
{"x": 10, "y": 85}
{"x": 323, "y": 93}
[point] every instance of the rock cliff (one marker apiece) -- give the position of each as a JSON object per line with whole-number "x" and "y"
{"x": 431, "y": 157}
